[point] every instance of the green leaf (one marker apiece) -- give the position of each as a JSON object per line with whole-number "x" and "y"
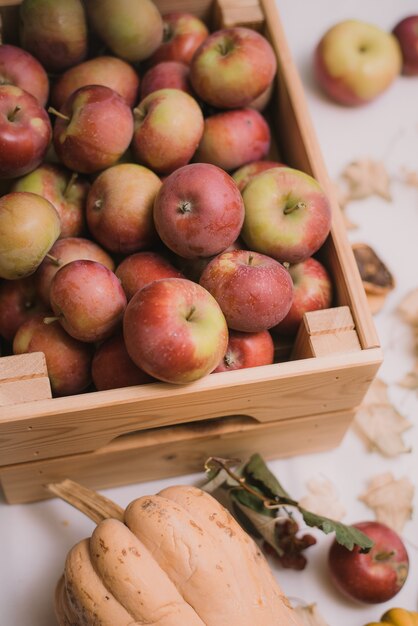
{"x": 259, "y": 474}
{"x": 347, "y": 536}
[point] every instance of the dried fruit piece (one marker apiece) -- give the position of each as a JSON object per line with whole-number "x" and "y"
{"x": 390, "y": 499}
{"x": 376, "y": 277}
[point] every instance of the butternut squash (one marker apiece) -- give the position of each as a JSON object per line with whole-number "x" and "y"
{"x": 397, "y": 617}
{"x": 177, "y": 557}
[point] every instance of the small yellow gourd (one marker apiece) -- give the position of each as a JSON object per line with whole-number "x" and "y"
{"x": 397, "y": 617}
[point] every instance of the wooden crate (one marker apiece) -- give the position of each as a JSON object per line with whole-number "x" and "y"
{"x": 139, "y": 433}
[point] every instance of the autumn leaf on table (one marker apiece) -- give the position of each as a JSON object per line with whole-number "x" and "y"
{"x": 390, "y": 499}
{"x": 310, "y": 616}
{"x": 380, "y": 423}
{"x": 322, "y": 498}
{"x": 366, "y": 177}
{"x": 266, "y": 510}
{"x": 408, "y": 310}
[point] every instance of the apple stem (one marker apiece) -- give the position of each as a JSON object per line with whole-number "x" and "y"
{"x": 51, "y": 320}
{"x": 58, "y": 114}
{"x": 70, "y": 183}
{"x": 185, "y": 207}
{"x": 139, "y": 114}
{"x": 383, "y": 556}
{"x": 98, "y": 204}
{"x": 189, "y": 316}
{"x": 250, "y": 259}
{"x": 54, "y": 260}
{"x": 286, "y": 265}
{"x": 12, "y": 115}
{"x": 228, "y": 360}
{"x": 167, "y": 32}
{"x": 293, "y": 207}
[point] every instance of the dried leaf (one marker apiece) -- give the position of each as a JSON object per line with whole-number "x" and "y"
{"x": 408, "y": 308}
{"x": 410, "y": 381}
{"x": 310, "y": 616}
{"x": 365, "y": 178}
{"x": 380, "y": 423}
{"x": 322, "y": 499}
{"x": 410, "y": 177}
{"x": 390, "y": 499}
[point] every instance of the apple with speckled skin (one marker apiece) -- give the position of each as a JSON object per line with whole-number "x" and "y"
{"x": 18, "y": 67}
{"x": 253, "y": 290}
{"x": 312, "y": 291}
{"x": 25, "y": 132}
{"x": 113, "y": 368}
{"x": 406, "y": 32}
{"x": 232, "y": 138}
{"x": 19, "y": 301}
{"x": 175, "y": 330}
{"x": 244, "y": 174}
{"x": 88, "y": 300}
{"x": 68, "y": 360}
{"x": 62, "y": 252}
{"x": 84, "y": 131}
{"x": 166, "y": 75}
{"x": 67, "y": 192}
{"x": 120, "y": 208}
{"x": 182, "y": 35}
{"x": 166, "y": 118}
{"x": 287, "y": 214}
{"x": 232, "y": 67}
{"x": 198, "y": 211}
{"x": 29, "y": 227}
{"x": 355, "y": 62}
{"x": 373, "y": 577}
{"x": 107, "y": 71}
{"x": 247, "y": 350}
{"x": 139, "y": 269}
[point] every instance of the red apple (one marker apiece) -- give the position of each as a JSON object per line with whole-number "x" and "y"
{"x": 25, "y": 132}
{"x": 233, "y": 138}
{"x": 93, "y": 129}
{"x": 62, "y": 252}
{"x": 373, "y": 577}
{"x": 244, "y": 174}
{"x": 247, "y": 350}
{"x": 193, "y": 268}
{"x": 65, "y": 191}
{"x": 18, "y": 67}
{"x": 232, "y": 67}
{"x": 198, "y": 211}
{"x": 166, "y": 75}
{"x": 68, "y": 361}
{"x": 355, "y": 62}
{"x": 183, "y": 33}
{"x": 54, "y": 31}
{"x": 287, "y": 214}
{"x": 260, "y": 103}
{"x": 253, "y": 290}
{"x": 19, "y": 302}
{"x": 103, "y": 70}
{"x": 139, "y": 269}
{"x": 406, "y": 32}
{"x": 312, "y": 290}
{"x": 29, "y": 226}
{"x": 88, "y": 300}
{"x": 175, "y": 330}
{"x": 168, "y": 128}
{"x": 113, "y": 368}
{"x": 119, "y": 208}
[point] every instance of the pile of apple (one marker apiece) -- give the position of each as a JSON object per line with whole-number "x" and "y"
{"x": 143, "y": 235}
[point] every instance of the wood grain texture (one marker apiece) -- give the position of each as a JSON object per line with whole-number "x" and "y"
{"x": 230, "y": 13}
{"x": 173, "y": 451}
{"x": 23, "y": 378}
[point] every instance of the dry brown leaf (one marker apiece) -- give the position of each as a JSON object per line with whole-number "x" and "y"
{"x": 390, "y": 499}
{"x": 380, "y": 423}
{"x": 408, "y": 307}
{"x": 410, "y": 177}
{"x": 310, "y": 616}
{"x": 410, "y": 381}
{"x": 365, "y": 178}
{"x": 322, "y": 499}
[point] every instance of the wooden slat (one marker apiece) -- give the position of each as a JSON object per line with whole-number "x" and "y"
{"x": 23, "y": 378}
{"x": 230, "y": 13}
{"x": 300, "y": 149}
{"x": 272, "y": 392}
{"x": 173, "y": 451}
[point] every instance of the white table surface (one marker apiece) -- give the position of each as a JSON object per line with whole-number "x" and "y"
{"x": 34, "y": 539}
